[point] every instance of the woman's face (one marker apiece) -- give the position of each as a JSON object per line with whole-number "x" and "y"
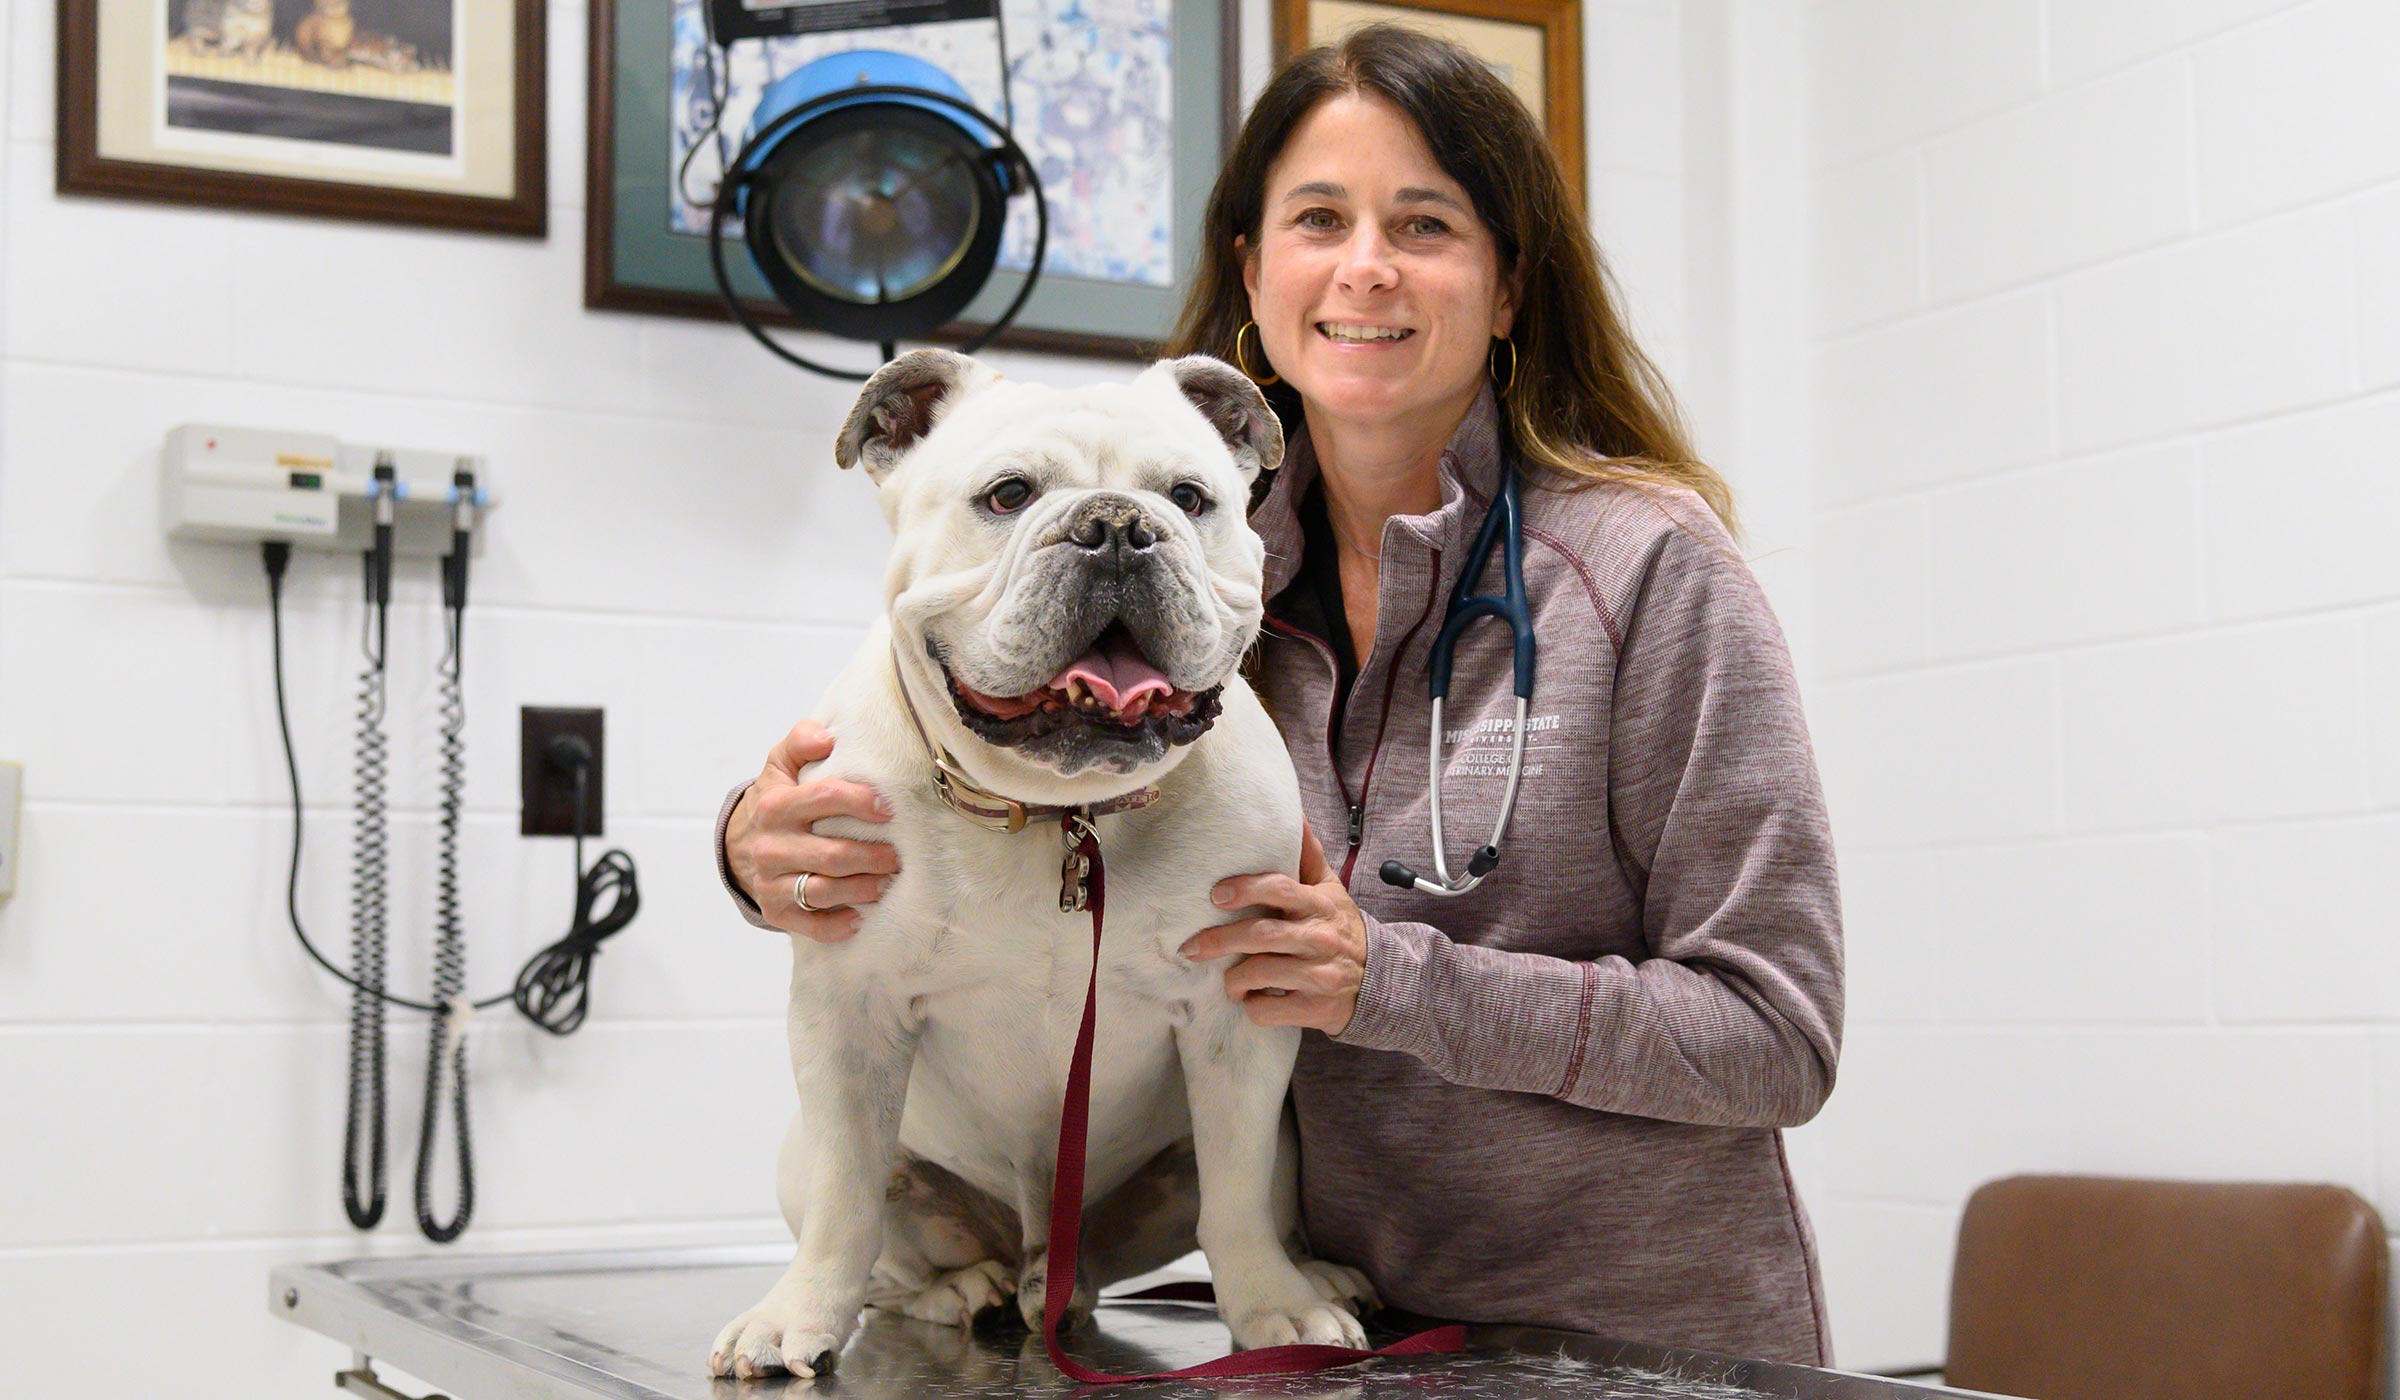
{"x": 1376, "y": 288}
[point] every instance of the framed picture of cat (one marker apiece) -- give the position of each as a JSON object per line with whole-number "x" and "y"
{"x": 399, "y": 111}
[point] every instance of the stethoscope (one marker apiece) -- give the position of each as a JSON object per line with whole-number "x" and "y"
{"x": 1466, "y": 605}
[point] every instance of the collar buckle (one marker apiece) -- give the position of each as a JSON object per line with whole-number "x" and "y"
{"x": 961, "y": 795}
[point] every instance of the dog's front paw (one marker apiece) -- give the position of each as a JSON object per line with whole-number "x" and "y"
{"x": 780, "y": 1334}
{"x": 1344, "y": 1287}
{"x": 1032, "y": 1296}
{"x": 956, "y": 1299}
{"x": 1321, "y": 1324}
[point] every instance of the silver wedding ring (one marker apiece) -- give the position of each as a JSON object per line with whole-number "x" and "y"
{"x": 800, "y": 894}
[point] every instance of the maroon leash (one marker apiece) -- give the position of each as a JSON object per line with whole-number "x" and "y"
{"x": 1082, "y": 885}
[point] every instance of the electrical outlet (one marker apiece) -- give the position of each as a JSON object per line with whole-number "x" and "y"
{"x": 546, "y": 783}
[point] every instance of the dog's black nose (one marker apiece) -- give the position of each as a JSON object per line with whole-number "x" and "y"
{"x": 1111, "y": 524}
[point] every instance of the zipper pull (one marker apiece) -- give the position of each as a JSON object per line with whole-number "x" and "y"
{"x": 1358, "y": 824}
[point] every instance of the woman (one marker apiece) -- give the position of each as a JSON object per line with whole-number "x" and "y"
{"x": 1557, "y": 1100}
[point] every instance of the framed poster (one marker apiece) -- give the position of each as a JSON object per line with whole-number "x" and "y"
{"x": 403, "y": 111}
{"x": 1536, "y": 46}
{"x": 1124, "y": 107}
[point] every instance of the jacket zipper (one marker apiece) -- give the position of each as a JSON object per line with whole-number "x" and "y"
{"x": 1357, "y": 808}
{"x": 1333, "y": 719}
{"x": 1391, "y": 680}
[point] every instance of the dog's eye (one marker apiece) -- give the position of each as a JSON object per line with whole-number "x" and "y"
{"x": 1008, "y": 495}
{"x": 1191, "y": 499}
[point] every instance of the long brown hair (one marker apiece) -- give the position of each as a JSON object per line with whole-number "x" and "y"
{"x": 1585, "y": 401}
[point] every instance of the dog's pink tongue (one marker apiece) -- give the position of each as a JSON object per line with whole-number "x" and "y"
{"x": 1116, "y": 672}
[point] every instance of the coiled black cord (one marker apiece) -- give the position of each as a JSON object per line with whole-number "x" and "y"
{"x": 449, "y": 948}
{"x": 555, "y": 989}
{"x": 370, "y": 855}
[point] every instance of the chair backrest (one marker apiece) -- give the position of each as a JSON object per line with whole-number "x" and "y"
{"x": 2102, "y": 1288}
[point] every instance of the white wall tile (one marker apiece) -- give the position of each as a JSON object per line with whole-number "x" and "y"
{"x": 203, "y": 1305}
{"x": 2307, "y": 920}
{"x": 569, "y": 35}
{"x": 1633, "y": 91}
{"x": 2383, "y": 714}
{"x": 2386, "y": 1109}
{"x": 506, "y": 325}
{"x": 1895, "y": 773}
{"x": 2209, "y": 332}
{"x": 73, "y": 260}
{"x": 132, "y": 913}
{"x": 33, "y": 69}
{"x": 2091, "y": 930}
{"x": 115, "y": 694}
{"x": 1869, "y": 566}
{"x": 2089, "y": 37}
{"x": 2379, "y": 287}
{"x": 716, "y": 1099}
{"x": 723, "y": 697}
{"x": 1867, "y": 242}
{"x": 2297, "y": 108}
{"x": 2241, "y": 725}
{"x": 1638, "y": 219}
{"x": 1882, "y": 72}
{"x": 2098, "y": 547}
{"x": 1942, "y": 397}
{"x": 1887, "y": 1281}
{"x": 1927, "y": 1115}
{"x": 2299, "y": 512}
{"x": 1896, "y": 917}
{"x": 2098, "y": 170}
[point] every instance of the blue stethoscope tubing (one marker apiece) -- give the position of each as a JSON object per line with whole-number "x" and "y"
{"x": 1503, "y": 524}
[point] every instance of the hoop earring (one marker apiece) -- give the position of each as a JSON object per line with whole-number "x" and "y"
{"x": 1242, "y": 362}
{"x": 1492, "y": 363}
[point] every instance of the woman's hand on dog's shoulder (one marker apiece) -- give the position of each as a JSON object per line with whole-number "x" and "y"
{"x": 1303, "y": 961}
{"x": 771, "y": 840}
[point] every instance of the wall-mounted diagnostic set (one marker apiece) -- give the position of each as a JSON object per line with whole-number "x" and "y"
{"x": 276, "y": 491}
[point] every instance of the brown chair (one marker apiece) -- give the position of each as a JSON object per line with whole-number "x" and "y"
{"x": 2107, "y": 1288}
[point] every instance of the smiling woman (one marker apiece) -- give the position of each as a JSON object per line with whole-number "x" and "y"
{"x": 1555, "y": 1100}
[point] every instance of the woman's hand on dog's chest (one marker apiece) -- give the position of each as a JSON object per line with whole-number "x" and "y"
{"x": 1303, "y": 961}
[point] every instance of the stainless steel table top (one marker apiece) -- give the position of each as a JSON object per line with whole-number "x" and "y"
{"x": 636, "y": 1325}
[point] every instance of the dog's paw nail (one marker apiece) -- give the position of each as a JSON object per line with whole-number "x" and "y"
{"x": 818, "y": 1364}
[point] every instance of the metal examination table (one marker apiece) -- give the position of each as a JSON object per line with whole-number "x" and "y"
{"x": 637, "y": 1324}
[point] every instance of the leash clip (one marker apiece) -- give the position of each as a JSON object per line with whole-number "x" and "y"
{"x": 1075, "y": 872}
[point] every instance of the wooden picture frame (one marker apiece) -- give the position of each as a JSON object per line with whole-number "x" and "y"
{"x": 1504, "y": 33}
{"x": 635, "y": 259}
{"x": 427, "y": 112}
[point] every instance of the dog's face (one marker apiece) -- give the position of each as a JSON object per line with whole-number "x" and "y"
{"x": 1074, "y": 578}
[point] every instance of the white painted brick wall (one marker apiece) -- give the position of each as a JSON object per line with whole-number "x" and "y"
{"x": 674, "y": 545}
{"x": 2106, "y": 333}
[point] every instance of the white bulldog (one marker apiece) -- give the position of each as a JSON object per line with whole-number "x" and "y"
{"x": 1072, "y": 587}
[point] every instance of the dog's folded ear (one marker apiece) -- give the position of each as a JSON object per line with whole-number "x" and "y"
{"x": 1235, "y": 408}
{"x": 900, "y": 405}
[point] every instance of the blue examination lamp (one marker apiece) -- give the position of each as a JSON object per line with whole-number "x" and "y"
{"x": 871, "y": 196}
